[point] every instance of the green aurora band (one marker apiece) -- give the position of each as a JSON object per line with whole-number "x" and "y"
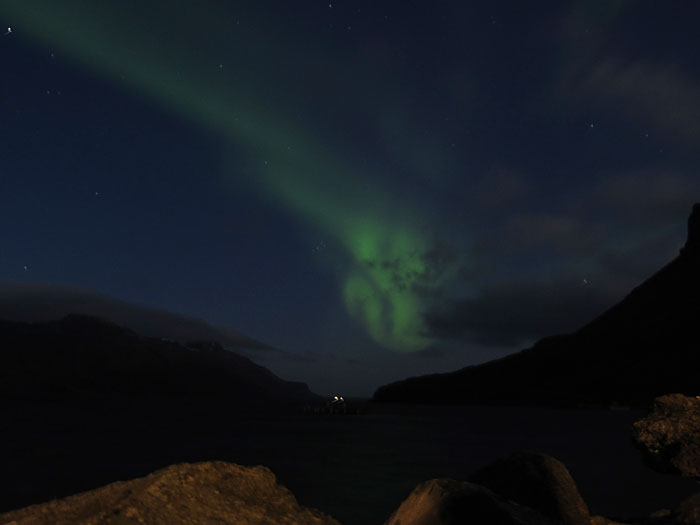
{"x": 143, "y": 48}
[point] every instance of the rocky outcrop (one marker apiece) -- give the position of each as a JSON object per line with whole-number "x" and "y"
{"x": 209, "y": 492}
{"x": 538, "y": 481}
{"x": 450, "y": 502}
{"x": 692, "y": 245}
{"x": 669, "y": 436}
{"x": 601, "y": 520}
{"x": 688, "y": 512}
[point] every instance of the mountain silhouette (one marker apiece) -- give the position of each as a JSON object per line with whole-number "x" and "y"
{"x": 36, "y": 303}
{"x": 83, "y": 355}
{"x": 644, "y": 346}
{"x": 86, "y": 402}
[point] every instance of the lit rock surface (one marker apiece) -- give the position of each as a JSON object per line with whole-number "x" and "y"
{"x": 538, "y": 481}
{"x": 187, "y": 493}
{"x": 600, "y": 520}
{"x": 449, "y": 502}
{"x": 669, "y": 436}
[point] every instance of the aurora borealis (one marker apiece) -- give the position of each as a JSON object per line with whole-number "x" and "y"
{"x": 413, "y": 160}
{"x": 298, "y": 169}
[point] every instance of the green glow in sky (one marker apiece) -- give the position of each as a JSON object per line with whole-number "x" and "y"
{"x": 144, "y": 50}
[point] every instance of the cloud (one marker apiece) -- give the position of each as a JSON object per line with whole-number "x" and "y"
{"x": 650, "y": 196}
{"x": 615, "y": 235}
{"x": 658, "y": 91}
{"x": 436, "y": 351}
{"x": 519, "y": 313}
{"x": 548, "y": 231}
{"x": 502, "y": 186}
{"x": 642, "y": 80}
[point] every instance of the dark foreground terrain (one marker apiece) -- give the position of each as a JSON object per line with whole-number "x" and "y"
{"x": 85, "y": 403}
{"x": 206, "y": 492}
{"x": 356, "y": 468}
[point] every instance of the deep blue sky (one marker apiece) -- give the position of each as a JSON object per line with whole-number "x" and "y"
{"x": 382, "y": 189}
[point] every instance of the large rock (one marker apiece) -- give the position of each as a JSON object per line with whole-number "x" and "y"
{"x": 208, "y": 492}
{"x": 538, "y": 481}
{"x": 688, "y": 512}
{"x": 669, "y": 436}
{"x": 449, "y": 502}
{"x": 602, "y": 520}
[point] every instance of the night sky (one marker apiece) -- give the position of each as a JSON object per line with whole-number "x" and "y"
{"x": 380, "y": 188}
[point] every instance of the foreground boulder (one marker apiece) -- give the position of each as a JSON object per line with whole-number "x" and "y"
{"x": 538, "y": 481}
{"x": 208, "y": 492}
{"x": 688, "y": 512}
{"x": 450, "y": 502}
{"x": 669, "y": 436}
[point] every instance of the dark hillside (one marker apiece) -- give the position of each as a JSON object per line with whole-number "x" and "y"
{"x": 86, "y": 355}
{"x": 645, "y": 346}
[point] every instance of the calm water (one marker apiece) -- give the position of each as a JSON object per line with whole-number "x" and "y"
{"x": 360, "y": 468}
{"x": 356, "y": 468}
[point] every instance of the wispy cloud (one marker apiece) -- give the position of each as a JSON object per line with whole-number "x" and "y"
{"x": 658, "y": 196}
{"x": 518, "y": 313}
{"x": 660, "y": 92}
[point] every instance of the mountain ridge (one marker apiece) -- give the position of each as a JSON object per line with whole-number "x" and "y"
{"x": 642, "y": 347}
{"x": 37, "y": 303}
{"x": 89, "y": 355}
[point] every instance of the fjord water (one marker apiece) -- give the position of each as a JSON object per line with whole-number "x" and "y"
{"x": 357, "y": 468}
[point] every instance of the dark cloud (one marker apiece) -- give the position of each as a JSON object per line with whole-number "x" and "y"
{"x": 435, "y": 351}
{"x": 440, "y": 258}
{"x": 656, "y": 91}
{"x": 620, "y": 216}
{"x": 519, "y": 313}
{"x": 645, "y": 196}
{"x": 554, "y": 232}
{"x": 655, "y": 85}
{"x": 616, "y": 235}
{"x": 501, "y": 186}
